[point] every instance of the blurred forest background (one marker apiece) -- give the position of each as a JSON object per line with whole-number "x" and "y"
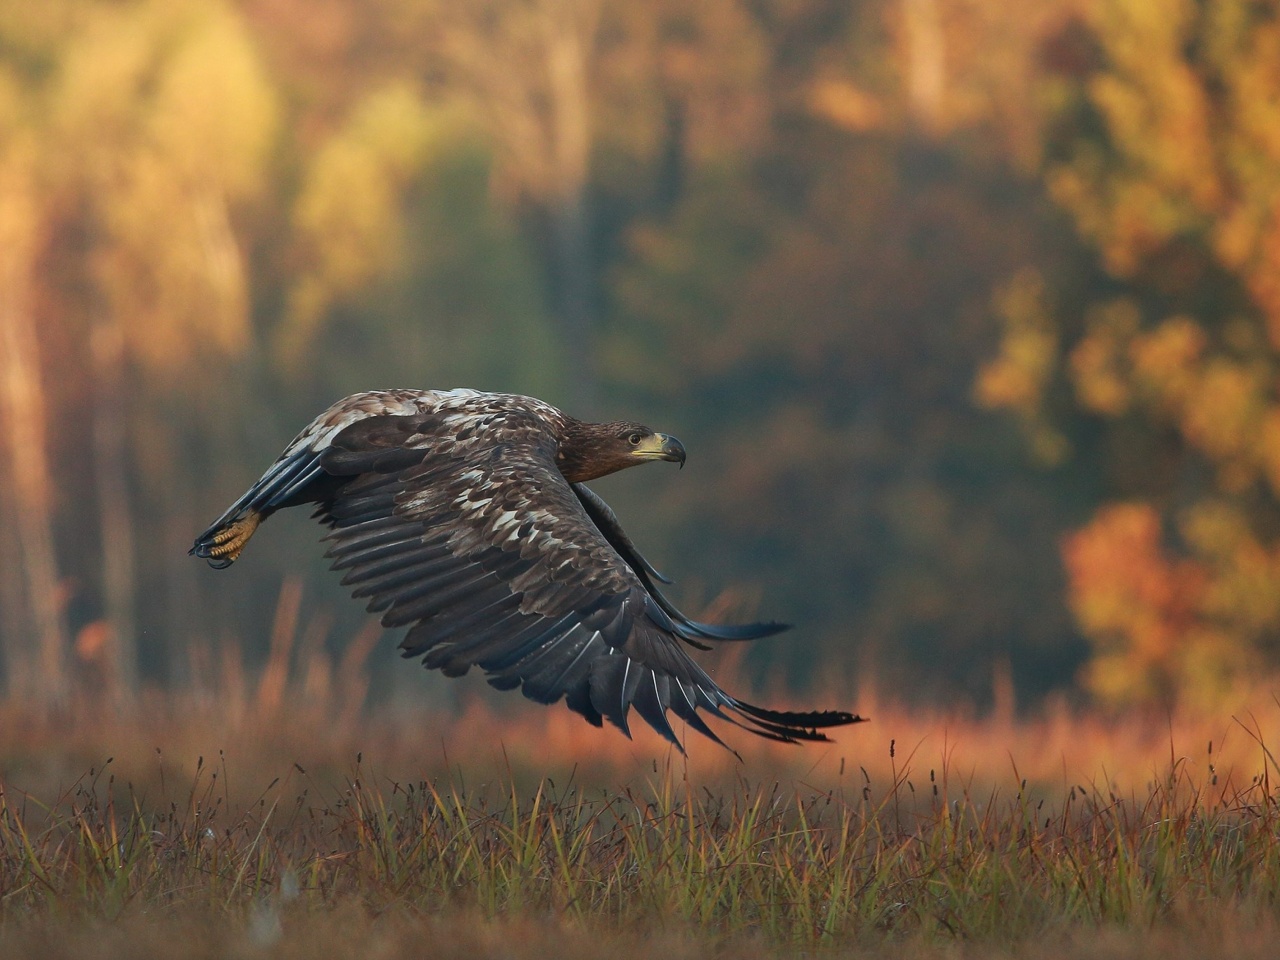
{"x": 968, "y": 312}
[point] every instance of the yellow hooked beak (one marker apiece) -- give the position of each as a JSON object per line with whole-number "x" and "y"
{"x": 660, "y": 446}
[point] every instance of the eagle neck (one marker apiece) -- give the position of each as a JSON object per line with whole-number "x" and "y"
{"x": 578, "y": 453}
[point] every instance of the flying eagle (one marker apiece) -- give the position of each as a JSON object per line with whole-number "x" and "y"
{"x": 464, "y": 516}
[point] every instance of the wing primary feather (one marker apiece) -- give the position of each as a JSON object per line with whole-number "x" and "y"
{"x": 476, "y": 647}
{"x": 577, "y": 658}
{"x": 688, "y": 712}
{"x": 809, "y": 718}
{"x": 388, "y": 547}
{"x": 539, "y": 683}
{"x": 398, "y": 572}
{"x": 430, "y": 597}
{"x": 438, "y": 630}
{"x": 623, "y": 699}
{"x": 688, "y": 629}
{"x": 522, "y": 644}
{"x": 606, "y": 688}
{"x": 356, "y": 510}
{"x": 649, "y": 704}
{"x": 552, "y": 644}
{"x": 578, "y": 699}
{"x": 351, "y": 532}
{"x": 430, "y": 585}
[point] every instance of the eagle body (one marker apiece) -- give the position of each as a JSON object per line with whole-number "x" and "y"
{"x": 464, "y": 516}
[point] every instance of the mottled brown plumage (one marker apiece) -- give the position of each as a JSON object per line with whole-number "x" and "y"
{"x": 464, "y": 517}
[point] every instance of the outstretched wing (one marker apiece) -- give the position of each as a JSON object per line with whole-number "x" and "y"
{"x": 296, "y": 476}
{"x": 464, "y": 530}
{"x": 691, "y": 631}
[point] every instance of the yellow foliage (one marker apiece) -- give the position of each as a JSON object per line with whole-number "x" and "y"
{"x": 214, "y": 114}
{"x": 1223, "y": 414}
{"x": 1191, "y": 102}
{"x": 1018, "y": 378}
{"x": 165, "y": 116}
{"x": 1247, "y": 237}
{"x": 1219, "y": 404}
{"x": 348, "y": 215}
{"x": 1166, "y": 360}
{"x": 1244, "y": 587}
{"x": 1098, "y": 366}
{"x": 1163, "y": 627}
{"x": 1028, "y": 351}
{"x": 1211, "y": 665}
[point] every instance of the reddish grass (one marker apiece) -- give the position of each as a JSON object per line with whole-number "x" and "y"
{"x": 1099, "y": 819}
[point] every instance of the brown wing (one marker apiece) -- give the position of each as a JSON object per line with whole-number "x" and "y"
{"x": 468, "y": 534}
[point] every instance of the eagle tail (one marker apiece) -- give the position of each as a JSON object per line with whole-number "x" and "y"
{"x": 789, "y": 726}
{"x": 283, "y": 485}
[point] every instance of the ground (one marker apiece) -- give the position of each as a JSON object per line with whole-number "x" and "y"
{"x": 262, "y": 824}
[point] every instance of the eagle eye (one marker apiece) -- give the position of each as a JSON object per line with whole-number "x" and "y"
{"x": 634, "y": 439}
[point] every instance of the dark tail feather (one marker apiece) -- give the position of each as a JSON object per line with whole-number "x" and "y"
{"x": 726, "y": 631}
{"x": 791, "y": 726}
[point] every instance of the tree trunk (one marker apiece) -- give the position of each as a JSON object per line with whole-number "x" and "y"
{"x": 114, "y": 512}
{"x": 22, "y": 393}
{"x": 926, "y": 62}
{"x": 15, "y": 625}
{"x": 575, "y": 301}
{"x": 529, "y": 65}
{"x": 568, "y": 35}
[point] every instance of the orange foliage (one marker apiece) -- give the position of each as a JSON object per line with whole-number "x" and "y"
{"x": 1136, "y": 601}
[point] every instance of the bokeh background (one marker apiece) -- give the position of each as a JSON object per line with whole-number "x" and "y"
{"x": 968, "y": 312}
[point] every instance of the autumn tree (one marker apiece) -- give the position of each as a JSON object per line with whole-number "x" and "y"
{"x": 815, "y": 314}
{"x": 1168, "y": 161}
{"x": 133, "y": 133}
{"x": 788, "y": 231}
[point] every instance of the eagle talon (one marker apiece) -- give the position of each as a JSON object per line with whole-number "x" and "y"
{"x": 224, "y": 547}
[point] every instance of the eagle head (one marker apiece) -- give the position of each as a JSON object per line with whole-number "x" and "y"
{"x": 591, "y": 450}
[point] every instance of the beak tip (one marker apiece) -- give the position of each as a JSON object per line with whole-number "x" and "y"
{"x": 673, "y": 450}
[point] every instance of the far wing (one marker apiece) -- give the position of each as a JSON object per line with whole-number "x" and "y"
{"x": 465, "y": 532}
{"x": 691, "y": 631}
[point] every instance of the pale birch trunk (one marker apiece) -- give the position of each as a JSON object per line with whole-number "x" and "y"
{"x": 24, "y": 443}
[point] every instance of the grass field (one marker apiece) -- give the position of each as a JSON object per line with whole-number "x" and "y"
{"x": 265, "y": 822}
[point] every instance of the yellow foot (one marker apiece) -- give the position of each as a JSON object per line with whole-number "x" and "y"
{"x": 230, "y": 540}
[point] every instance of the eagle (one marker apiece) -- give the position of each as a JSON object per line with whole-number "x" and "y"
{"x": 465, "y": 517}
